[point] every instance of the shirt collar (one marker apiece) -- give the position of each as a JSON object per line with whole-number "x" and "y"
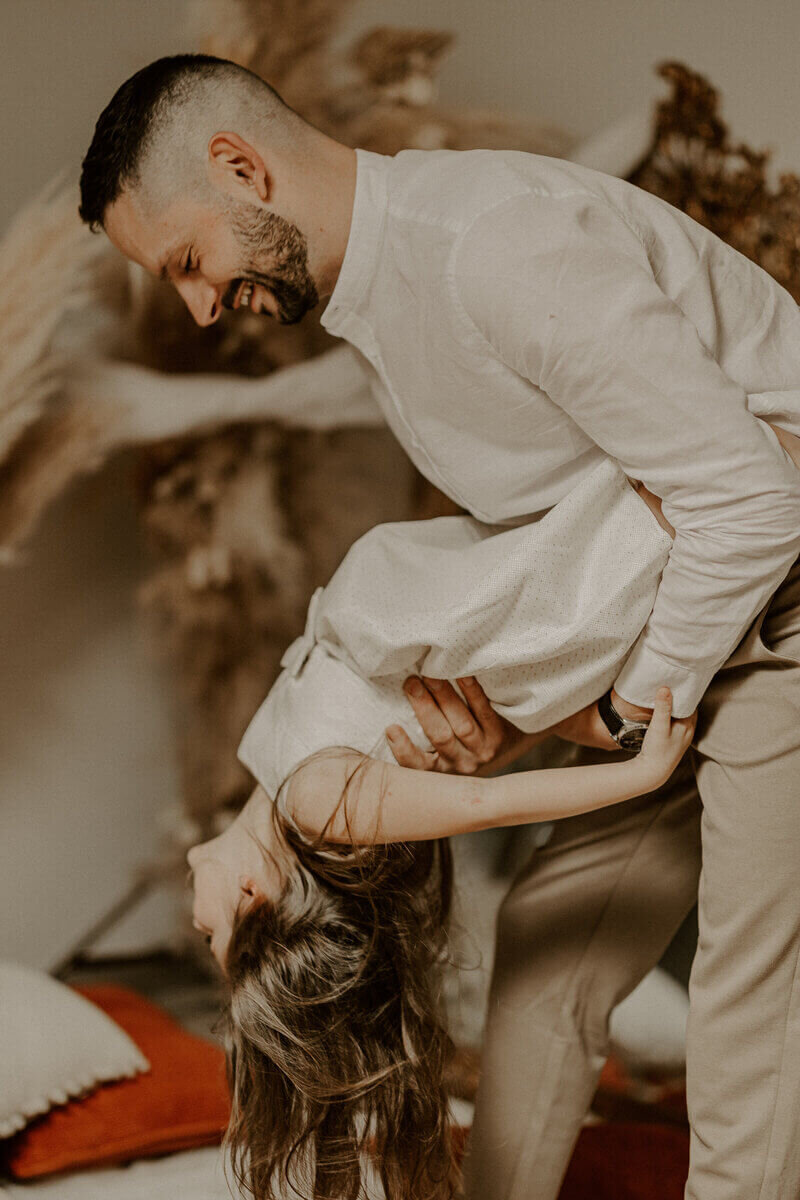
{"x": 366, "y": 229}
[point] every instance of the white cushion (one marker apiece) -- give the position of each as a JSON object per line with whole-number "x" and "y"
{"x": 648, "y": 1029}
{"x": 54, "y": 1045}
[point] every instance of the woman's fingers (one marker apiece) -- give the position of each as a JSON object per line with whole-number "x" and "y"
{"x": 667, "y": 740}
{"x": 662, "y": 711}
{"x": 657, "y": 737}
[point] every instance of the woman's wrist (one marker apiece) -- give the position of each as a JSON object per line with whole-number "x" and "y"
{"x": 646, "y": 774}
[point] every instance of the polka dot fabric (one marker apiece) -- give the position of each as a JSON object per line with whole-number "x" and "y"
{"x": 543, "y": 614}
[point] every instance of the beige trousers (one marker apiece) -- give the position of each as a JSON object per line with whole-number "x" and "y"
{"x": 594, "y": 910}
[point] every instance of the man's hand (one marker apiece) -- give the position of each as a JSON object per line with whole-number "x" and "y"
{"x": 468, "y": 735}
{"x": 470, "y": 738}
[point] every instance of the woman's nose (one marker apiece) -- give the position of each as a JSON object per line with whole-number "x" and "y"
{"x": 192, "y": 856}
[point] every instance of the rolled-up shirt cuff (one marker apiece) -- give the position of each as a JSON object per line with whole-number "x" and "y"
{"x": 645, "y": 672}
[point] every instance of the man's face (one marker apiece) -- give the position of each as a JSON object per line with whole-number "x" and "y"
{"x": 232, "y": 256}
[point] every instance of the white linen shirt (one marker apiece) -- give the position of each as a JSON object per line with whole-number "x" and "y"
{"x": 520, "y": 317}
{"x": 541, "y": 614}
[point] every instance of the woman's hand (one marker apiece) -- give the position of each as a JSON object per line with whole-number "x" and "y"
{"x": 469, "y": 737}
{"x": 665, "y": 742}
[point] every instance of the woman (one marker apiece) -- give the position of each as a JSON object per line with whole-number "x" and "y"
{"x": 326, "y": 900}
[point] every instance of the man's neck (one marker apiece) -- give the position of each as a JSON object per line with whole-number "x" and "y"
{"x": 338, "y": 179}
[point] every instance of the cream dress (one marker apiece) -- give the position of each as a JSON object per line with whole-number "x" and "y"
{"x": 542, "y": 614}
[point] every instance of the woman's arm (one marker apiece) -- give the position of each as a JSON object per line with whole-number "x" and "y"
{"x": 387, "y": 803}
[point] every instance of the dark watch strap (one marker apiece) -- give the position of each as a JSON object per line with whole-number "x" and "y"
{"x": 628, "y": 735}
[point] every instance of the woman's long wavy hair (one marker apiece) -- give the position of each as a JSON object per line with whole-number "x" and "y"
{"x": 335, "y": 1029}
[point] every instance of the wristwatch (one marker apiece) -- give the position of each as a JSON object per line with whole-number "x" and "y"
{"x": 628, "y": 735}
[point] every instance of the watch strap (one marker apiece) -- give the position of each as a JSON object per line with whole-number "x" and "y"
{"x": 611, "y": 718}
{"x": 617, "y": 725}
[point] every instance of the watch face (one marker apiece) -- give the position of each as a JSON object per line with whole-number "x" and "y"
{"x": 631, "y": 740}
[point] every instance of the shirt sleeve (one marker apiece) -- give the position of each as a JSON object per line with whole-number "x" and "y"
{"x": 562, "y": 290}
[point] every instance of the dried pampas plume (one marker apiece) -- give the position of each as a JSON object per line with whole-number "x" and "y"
{"x": 45, "y": 263}
{"x": 269, "y": 36}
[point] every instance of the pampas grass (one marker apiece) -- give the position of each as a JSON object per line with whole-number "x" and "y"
{"x": 277, "y": 39}
{"x": 238, "y": 550}
{"x": 46, "y": 258}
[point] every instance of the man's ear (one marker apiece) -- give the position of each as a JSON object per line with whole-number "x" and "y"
{"x": 238, "y": 164}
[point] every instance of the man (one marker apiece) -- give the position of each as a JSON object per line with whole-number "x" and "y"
{"x": 517, "y": 318}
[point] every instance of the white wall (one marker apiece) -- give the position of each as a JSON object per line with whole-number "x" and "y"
{"x": 583, "y": 63}
{"x": 62, "y": 60}
{"x": 580, "y": 63}
{"x": 85, "y": 754}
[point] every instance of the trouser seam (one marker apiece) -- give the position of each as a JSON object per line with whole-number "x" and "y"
{"x": 531, "y": 1146}
{"x": 610, "y": 897}
{"x": 781, "y": 1073}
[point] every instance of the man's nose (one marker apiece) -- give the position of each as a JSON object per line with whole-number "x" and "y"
{"x": 203, "y": 301}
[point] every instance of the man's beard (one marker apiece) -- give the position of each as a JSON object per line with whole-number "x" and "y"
{"x": 268, "y": 237}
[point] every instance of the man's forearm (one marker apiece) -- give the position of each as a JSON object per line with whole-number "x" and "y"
{"x": 589, "y": 324}
{"x": 514, "y": 751}
{"x": 634, "y": 712}
{"x": 683, "y": 660}
{"x": 720, "y": 574}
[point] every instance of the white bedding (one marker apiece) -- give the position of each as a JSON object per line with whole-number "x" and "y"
{"x": 191, "y": 1175}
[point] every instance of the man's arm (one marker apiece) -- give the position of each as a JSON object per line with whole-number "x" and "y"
{"x": 561, "y": 289}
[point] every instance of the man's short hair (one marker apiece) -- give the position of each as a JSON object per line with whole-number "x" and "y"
{"x": 137, "y": 112}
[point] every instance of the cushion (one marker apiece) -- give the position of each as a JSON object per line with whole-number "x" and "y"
{"x": 181, "y": 1103}
{"x": 53, "y": 1045}
{"x": 628, "y": 1162}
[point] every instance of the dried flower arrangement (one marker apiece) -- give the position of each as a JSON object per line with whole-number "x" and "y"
{"x": 694, "y": 165}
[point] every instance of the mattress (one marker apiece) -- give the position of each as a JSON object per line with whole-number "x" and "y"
{"x": 191, "y": 1175}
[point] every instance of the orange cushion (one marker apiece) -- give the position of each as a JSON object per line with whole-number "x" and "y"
{"x": 620, "y": 1162}
{"x": 628, "y": 1162}
{"x": 182, "y": 1102}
